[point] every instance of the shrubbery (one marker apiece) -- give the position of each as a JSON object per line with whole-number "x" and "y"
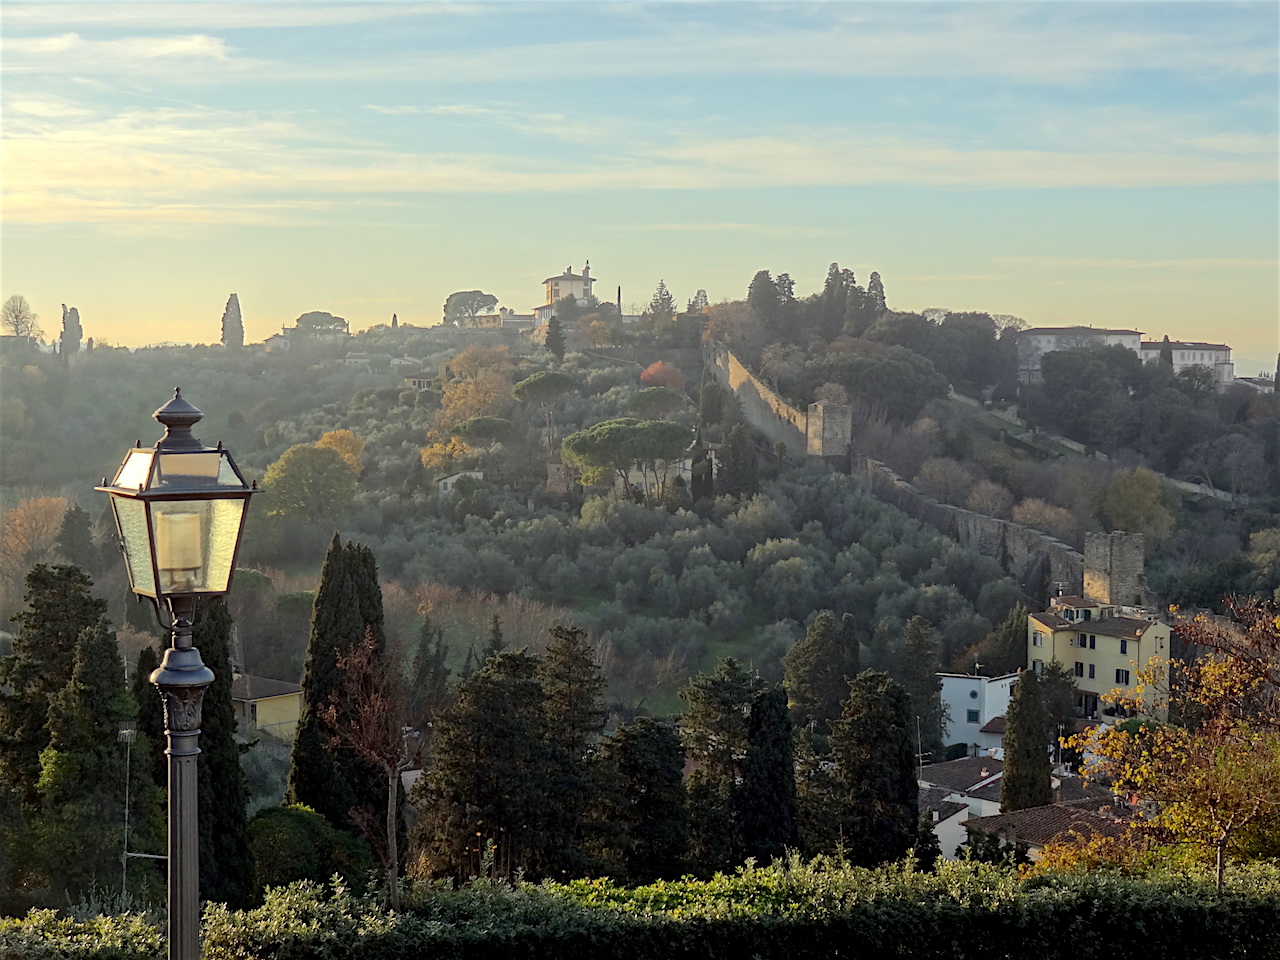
{"x": 820, "y": 909}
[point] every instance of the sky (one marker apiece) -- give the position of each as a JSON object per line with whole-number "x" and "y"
{"x": 1109, "y": 164}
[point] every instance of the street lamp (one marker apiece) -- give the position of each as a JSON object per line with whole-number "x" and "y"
{"x": 179, "y": 509}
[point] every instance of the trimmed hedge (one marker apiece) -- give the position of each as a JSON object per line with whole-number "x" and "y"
{"x": 784, "y": 911}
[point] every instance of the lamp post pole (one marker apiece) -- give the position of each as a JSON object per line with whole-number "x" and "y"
{"x": 179, "y": 511}
{"x": 182, "y": 679}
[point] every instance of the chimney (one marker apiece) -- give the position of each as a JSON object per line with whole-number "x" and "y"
{"x": 984, "y": 773}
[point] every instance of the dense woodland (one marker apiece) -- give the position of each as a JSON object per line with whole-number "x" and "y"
{"x": 564, "y": 651}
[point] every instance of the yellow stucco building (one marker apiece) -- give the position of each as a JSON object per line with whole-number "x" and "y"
{"x": 272, "y": 706}
{"x": 1103, "y": 644}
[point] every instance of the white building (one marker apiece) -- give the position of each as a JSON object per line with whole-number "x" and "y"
{"x": 971, "y": 703}
{"x": 1035, "y": 342}
{"x": 1215, "y": 356}
{"x": 567, "y": 284}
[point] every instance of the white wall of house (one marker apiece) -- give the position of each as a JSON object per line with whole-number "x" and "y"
{"x": 970, "y": 702}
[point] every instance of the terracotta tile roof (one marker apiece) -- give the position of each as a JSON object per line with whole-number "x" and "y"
{"x": 935, "y": 798}
{"x": 965, "y": 775}
{"x": 994, "y": 725}
{"x": 1051, "y": 621}
{"x": 246, "y": 686}
{"x": 1040, "y": 825}
{"x": 1130, "y": 627}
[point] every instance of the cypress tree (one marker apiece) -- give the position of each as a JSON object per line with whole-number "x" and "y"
{"x": 817, "y": 671}
{"x": 765, "y": 800}
{"x": 920, "y": 666}
{"x": 232, "y": 323}
{"x": 429, "y": 688}
{"x": 75, "y": 540}
{"x": 226, "y": 862}
{"x": 640, "y": 814}
{"x": 59, "y": 609}
{"x": 336, "y": 628}
{"x": 1166, "y": 352}
{"x": 82, "y": 775}
{"x": 555, "y": 338}
{"x": 739, "y": 472}
{"x": 495, "y": 643}
{"x": 150, "y": 712}
{"x": 1026, "y": 781}
{"x": 872, "y": 745}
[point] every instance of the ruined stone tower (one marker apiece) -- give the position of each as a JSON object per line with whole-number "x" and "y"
{"x": 1114, "y": 567}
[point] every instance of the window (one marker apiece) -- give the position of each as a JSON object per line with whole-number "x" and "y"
{"x": 973, "y": 716}
{"x": 1124, "y": 646}
{"x": 1079, "y": 641}
{"x": 1093, "y": 642}
{"x": 973, "y": 694}
{"x": 1088, "y": 614}
{"x": 1122, "y": 677}
{"x": 1080, "y": 670}
{"x": 1037, "y": 666}
{"x": 1037, "y": 640}
{"x": 1091, "y": 671}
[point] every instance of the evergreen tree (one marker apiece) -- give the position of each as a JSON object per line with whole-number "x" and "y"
{"x": 1166, "y": 352}
{"x": 1025, "y": 781}
{"x": 495, "y": 643}
{"x": 429, "y": 687}
{"x": 640, "y": 811}
{"x": 574, "y": 689}
{"x": 1004, "y": 649}
{"x": 75, "y": 540}
{"x": 316, "y": 778}
{"x": 150, "y": 712}
{"x": 662, "y": 306}
{"x": 699, "y": 302}
{"x": 59, "y": 609}
{"x": 492, "y": 789}
{"x": 1060, "y": 694}
{"x": 872, "y": 745}
{"x": 928, "y": 849}
{"x": 72, "y": 332}
{"x": 82, "y": 774}
{"x": 226, "y": 862}
{"x": 715, "y": 731}
{"x": 764, "y": 304}
{"x": 817, "y": 671}
{"x": 765, "y": 800}
{"x": 555, "y": 338}
{"x": 739, "y": 472}
{"x": 232, "y": 323}
{"x": 919, "y": 676}
{"x": 875, "y": 296}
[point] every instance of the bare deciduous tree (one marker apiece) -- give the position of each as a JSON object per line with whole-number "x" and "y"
{"x": 17, "y": 318}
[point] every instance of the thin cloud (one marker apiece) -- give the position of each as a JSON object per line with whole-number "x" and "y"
{"x": 1123, "y": 263}
{"x": 72, "y": 53}
{"x": 228, "y": 16}
{"x": 188, "y": 161}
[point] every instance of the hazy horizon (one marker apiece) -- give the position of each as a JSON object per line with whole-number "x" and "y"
{"x": 1093, "y": 163}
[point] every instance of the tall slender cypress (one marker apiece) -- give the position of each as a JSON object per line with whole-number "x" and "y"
{"x": 226, "y": 861}
{"x": 765, "y": 800}
{"x": 151, "y": 714}
{"x": 1026, "y": 781}
{"x": 336, "y": 628}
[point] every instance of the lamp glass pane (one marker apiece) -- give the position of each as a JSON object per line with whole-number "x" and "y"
{"x": 185, "y": 468}
{"x": 131, "y": 518}
{"x": 135, "y": 472}
{"x": 227, "y": 475}
{"x": 181, "y": 530}
{"x": 224, "y": 532}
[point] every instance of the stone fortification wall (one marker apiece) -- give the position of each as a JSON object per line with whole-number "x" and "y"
{"x": 764, "y": 410}
{"x": 1040, "y": 563}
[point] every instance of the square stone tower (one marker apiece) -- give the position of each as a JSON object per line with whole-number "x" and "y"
{"x": 1114, "y": 566}
{"x": 829, "y": 429}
